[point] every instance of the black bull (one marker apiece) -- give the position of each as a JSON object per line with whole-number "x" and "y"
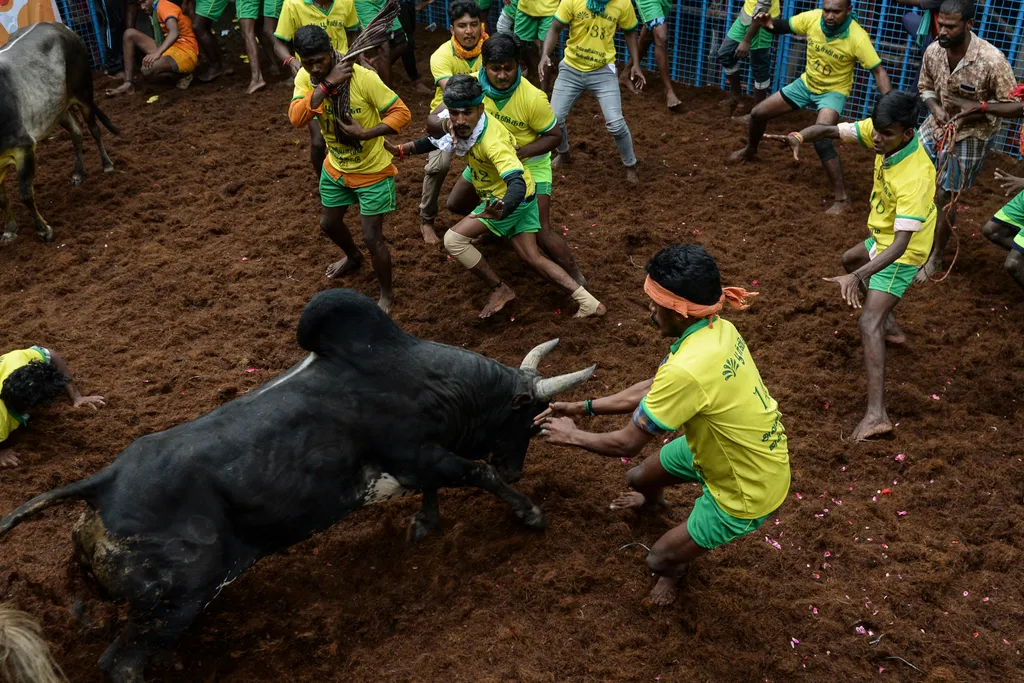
{"x": 371, "y": 413}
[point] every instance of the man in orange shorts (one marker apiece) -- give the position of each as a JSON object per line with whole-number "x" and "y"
{"x": 177, "y": 54}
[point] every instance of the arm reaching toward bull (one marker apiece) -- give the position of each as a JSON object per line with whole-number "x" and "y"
{"x": 621, "y": 403}
{"x": 76, "y": 398}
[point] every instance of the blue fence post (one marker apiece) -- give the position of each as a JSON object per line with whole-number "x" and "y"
{"x": 700, "y": 43}
{"x": 101, "y": 42}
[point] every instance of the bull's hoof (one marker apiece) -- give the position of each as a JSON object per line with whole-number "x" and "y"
{"x": 419, "y": 528}
{"x": 532, "y": 518}
{"x": 107, "y": 168}
{"x": 46, "y": 235}
{"x": 77, "y": 179}
{"x": 8, "y": 237}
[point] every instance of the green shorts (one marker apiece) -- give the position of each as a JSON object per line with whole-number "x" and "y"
{"x": 708, "y": 525}
{"x": 366, "y": 10}
{"x": 529, "y": 27}
{"x": 798, "y": 96}
{"x": 525, "y": 218}
{"x": 511, "y": 9}
{"x": 654, "y": 12}
{"x": 540, "y": 169}
{"x": 893, "y": 279}
{"x": 1013, "y": 214}
{"x": 250, "y": 9}
{"x": 211, "y": 9}
{"x": 483, "y": 4}
{"x": 373, "y": 200}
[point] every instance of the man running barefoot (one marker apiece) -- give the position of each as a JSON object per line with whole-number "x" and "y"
{"x": 522, "y": 108}
{"x": 835, "y": 41}
{"x": 654, "y": 15}
{"x": 902, "y": 224}
{"x": 708, "y": 387}
{"x": 358, "y": 170}
{"x": 177, "y": 54}
{"x": 509, "y": 208}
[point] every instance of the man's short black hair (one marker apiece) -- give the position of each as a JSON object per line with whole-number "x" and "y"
{"x": 462, "y": 88}
{"x": 35, "y": 384}
{"x": 311, "y": 40}
{"x": 965, "y": 8}
{"x": 687, "y": 271}
{"x": 500, "y": 48}
{"x": 461, "y": 8}
{"x": 895, "y": 107}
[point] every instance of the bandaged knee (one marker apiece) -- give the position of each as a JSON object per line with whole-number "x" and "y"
{"x": 588, "y": 304}
{"x": 461, "y": 248}
{"x": 826, "y": 150}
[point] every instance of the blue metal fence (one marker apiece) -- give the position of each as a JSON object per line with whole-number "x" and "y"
{"x": 83, "y": 17}
{"x": 697, "y": 28}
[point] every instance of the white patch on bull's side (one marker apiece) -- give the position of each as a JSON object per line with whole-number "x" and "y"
{"x": 384, "y": 487}
{"x": 10, "y": 44}
{"x": 291, "y": 373}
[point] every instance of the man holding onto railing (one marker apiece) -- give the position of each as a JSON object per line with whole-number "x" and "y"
{"x": 746, "y": 37}
{"x": 960, "y": 71}
{"x": 834, "y": 42}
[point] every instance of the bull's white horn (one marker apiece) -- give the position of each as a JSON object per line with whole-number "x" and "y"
{"x": 550, "y": 387}
{"x": 533, "y": 358}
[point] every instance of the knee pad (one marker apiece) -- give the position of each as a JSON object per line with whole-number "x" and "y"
{"x": 826, "y": 150}
{"x": 461, "y": 248}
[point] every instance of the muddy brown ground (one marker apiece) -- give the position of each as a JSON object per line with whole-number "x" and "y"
{"x": 175, "y": 284}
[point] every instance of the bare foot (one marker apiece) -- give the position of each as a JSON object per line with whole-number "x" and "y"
{"x": 256, "y": 86}
{"x": 871, "y": 426}
{"x": 894, "y": 333}
{"x": 429, "y": 236}
{"x": 731, "y": 102}
{"x": 345, "y": 265}
{"x": 838, "y": 207}
{"x": 627, "y": 83}
{"x": 742, "y": 155}
{"x": 214, "y": 74}
{"x": 560, "y": 159}
{"x": 631, "y": 175}
{"x": 930, "y": 268}
{"x": 634, "y": 500}
{"x": 184, "y": 82}
{"x": 126, "y": 88}
{"x": 501, "y": 295}
{"x": 386, "y": 301}
{"x": 672, "y": 101}
{"x": 422, "y": 87}
{"x": 599, "y": 311}
{"x": 665, "y": 591}
{"x": 742, "y": 120}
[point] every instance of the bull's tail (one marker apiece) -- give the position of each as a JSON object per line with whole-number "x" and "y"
{"x": 104, "y": 120}
{"x": 24, "y": 655}
{"x": 80, "y": 490}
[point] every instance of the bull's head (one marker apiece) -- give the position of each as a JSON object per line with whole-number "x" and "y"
{"x": 535, "y": 393}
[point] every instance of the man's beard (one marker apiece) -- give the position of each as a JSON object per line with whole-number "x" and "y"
{"x": 951, "y": 42}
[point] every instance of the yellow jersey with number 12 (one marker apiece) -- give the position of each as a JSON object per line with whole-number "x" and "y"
{"x": 830, "y": 61}
{"x": 492, "y": 158}
{"x": 591, "y": 43}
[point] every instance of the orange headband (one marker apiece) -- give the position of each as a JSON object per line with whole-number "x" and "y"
{"x": 735, "y": 296}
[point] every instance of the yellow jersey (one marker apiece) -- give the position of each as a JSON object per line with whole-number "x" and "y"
{"x": 830, "y": 61}
{"x": 710, "y": 387}
{"x": 9, "y": 362}
{"x": 336, "y": 20}
{"x": 752, "y": 7}
{"x": 368, "y": 99}
{"x": 591, "y": 43}
{"x": 902, "y": 195}
{"x": 444, "y": 63}
{"x": 538, "y": 8}
{"x": 492, "y": 158}
{"x": 527, "y": 113}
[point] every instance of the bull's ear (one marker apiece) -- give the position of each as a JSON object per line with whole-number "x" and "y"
{"x": 521, "y": 399}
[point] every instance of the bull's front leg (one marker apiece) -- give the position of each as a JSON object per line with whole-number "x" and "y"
{"x": 70, "y": 124}
{"x": 26, "y": 165}
{"x": 10, "y": 227}
{"x": 424, "y": 521}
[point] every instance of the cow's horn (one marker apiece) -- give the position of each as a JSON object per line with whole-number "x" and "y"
{"x": 533, "y": 358}
{"x": 550, "y": 387}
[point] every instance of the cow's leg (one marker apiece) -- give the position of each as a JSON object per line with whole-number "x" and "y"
{"x": 126, "y": 658}
{"x": 26, "y": 164}
{"x": 70, "y": 124}
{"x": 10, "y": 227}
{"x": 426, "y": 519}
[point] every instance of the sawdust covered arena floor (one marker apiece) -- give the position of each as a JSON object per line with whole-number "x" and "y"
{"x": 175, "y": 284}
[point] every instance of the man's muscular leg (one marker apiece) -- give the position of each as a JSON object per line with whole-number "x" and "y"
{"x": 648, "y": 481}
{"x": 771, "y": 108}
{"x": 854, "y": 258}
{"x": 830, "y": 160}
{"x": 661, "y": 57}
{"x": 668, "y": 559}
{"x": 332, "y": 222}
{"x": 877, "y": 308}
{"x": 459, "y": 243}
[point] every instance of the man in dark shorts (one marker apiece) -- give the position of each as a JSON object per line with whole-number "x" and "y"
{"x": 745, "y": 37}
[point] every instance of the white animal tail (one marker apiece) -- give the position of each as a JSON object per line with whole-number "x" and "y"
{"x": 24, "y": 655}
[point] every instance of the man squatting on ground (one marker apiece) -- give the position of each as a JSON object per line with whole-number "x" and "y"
{"x": 339, "y": 19}
{"x": 746, "y": 37}
{"x": 960, "y": 71}
{"x": 901, "y": 221}
{"x": 523, "y": 108}
{"x": 178, "y": 53}
{"x": 708, "y": 387}
{"x": 509, "y": 207}
{"x": 589, "y": 65}
{"x": 29, "y": 378}
{"x": 358, "y": 170}
{"x": 834, "y": 42}
{"x": 460, "y": 55}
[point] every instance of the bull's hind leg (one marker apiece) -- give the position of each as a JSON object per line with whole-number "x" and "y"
{"x": 26, "y": 164}
{"x": 426, "y": 519}
{"x": 10, "y": 227}
{"x": 70, "y": 124}
{"x": 89, "y": 114}
{"x": 126, "y": 658}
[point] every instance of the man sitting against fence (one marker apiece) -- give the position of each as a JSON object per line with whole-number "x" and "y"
{"x": 177, "y": 53}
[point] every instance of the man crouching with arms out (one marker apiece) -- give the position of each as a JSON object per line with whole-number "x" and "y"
{"x": 709, "y": 388}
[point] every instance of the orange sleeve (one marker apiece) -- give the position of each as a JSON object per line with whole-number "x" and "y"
{"x": 300, "y": 113}
{"x": 397, "y": 116}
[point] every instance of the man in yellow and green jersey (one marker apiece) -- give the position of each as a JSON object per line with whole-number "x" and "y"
{"x": 523, "y": 108}
{"x": 390, "y": 50}
{"x": 834, "y": 42}
{"x": 589, "y": 65}
{"x": 745, "y": 37}
{"x": 339, "y": 19}
{"x": 460, "y": 55}
{"x": 709, "y": 388}
{"x": 532, "y": 23}
{"x": 654, "y": 17}
{"x": 30, "y": 378}
{"x": 358, "y": 169}
{"x": 508, "y": 190}
{"x": 902, "y": 226}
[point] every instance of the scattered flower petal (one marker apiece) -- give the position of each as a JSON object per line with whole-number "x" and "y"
{"x": 900, "y": 457}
